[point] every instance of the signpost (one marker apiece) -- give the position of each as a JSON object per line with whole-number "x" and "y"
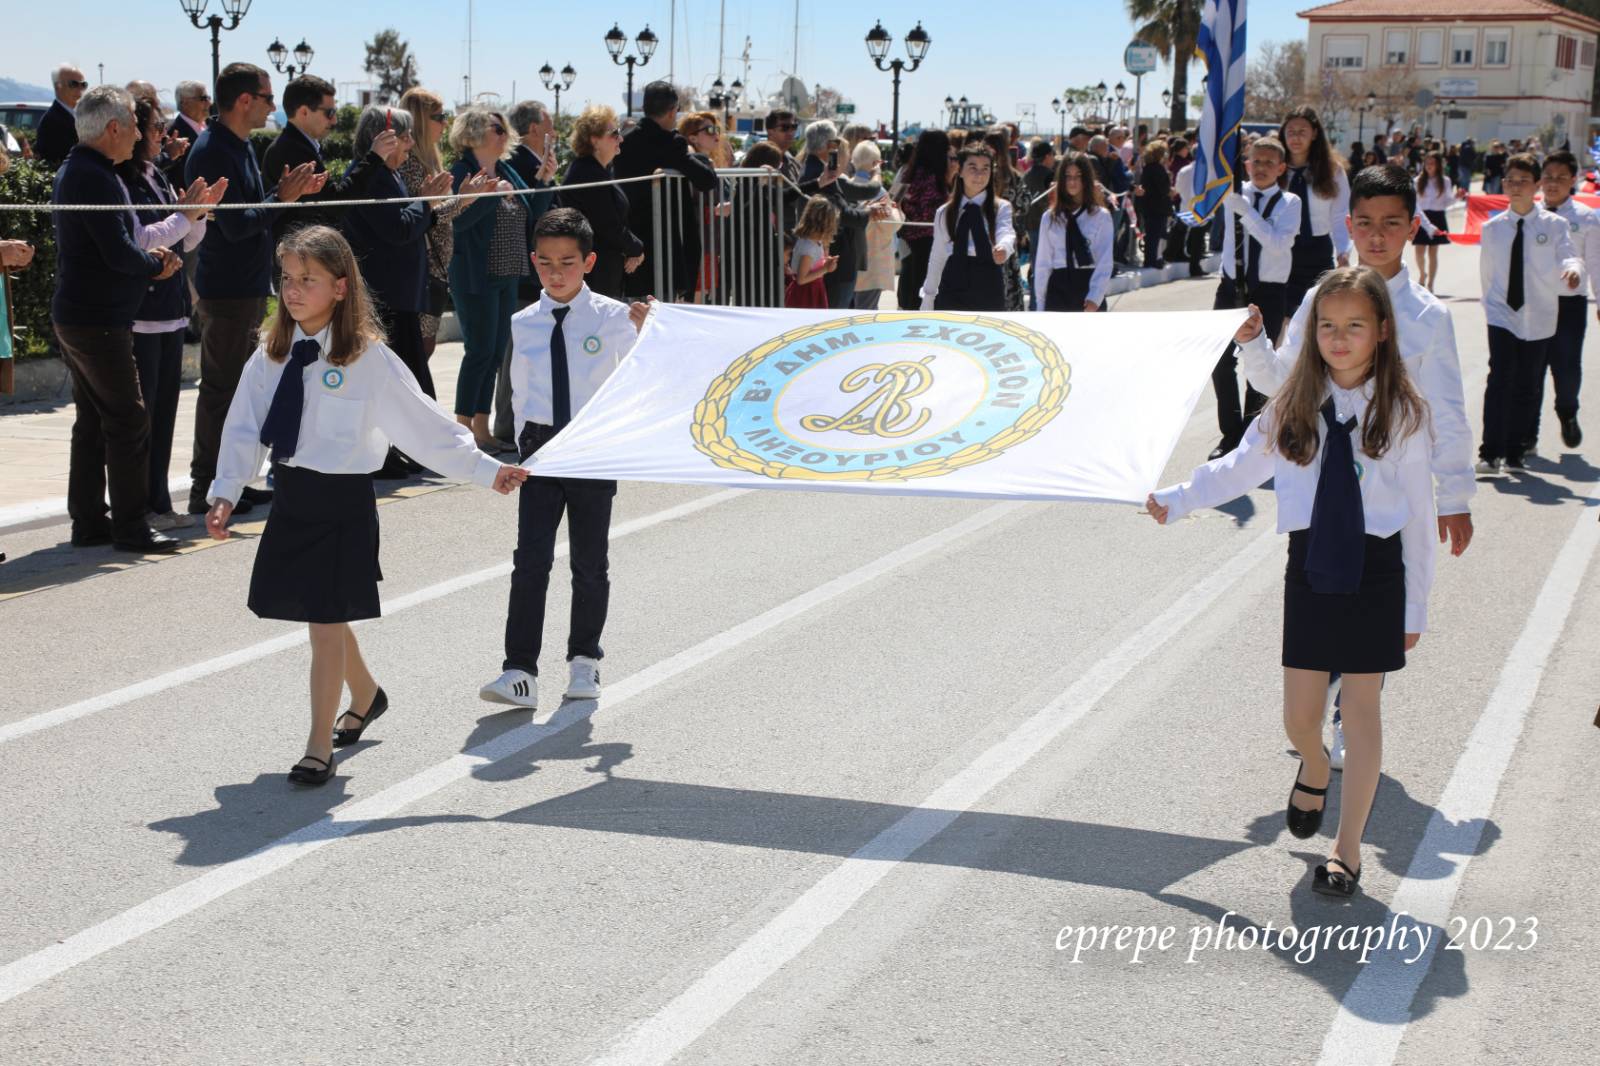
{"x": 1139, "y": 59}
{"x": 845, "y": 109}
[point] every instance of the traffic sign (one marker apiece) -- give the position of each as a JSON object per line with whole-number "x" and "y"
{"x": 845, "y": 109}
{"x": 1140, "y": 58}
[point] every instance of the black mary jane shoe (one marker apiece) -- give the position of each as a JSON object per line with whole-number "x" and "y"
{"x": 310, "y": 775}
{"x": 1339, "y": 882}
{"x": 345, "y": 737}
{"x": 1302, "y": 823}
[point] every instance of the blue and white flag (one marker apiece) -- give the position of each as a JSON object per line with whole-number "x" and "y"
{"x": 1221, "y": 45}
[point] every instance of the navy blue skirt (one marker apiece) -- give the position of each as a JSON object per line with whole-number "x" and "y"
{"x": 318, "y": 558}
{"x": 1360, "y": 633}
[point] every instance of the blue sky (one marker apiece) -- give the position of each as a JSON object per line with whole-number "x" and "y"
{"x": 1003, "y": 55}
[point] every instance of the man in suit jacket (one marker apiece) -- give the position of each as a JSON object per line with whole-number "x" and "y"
{"x": 58, "y": 129}
{"x": 310, "y": 103}
{"x": 655, "y": 145}
{"x": 531, "y": 122}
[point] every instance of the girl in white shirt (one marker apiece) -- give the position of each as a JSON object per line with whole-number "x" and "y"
{"x": 972, "y": 237}
{"x": 1347, "y": 444}
{"x": 1435, "y": 193}
{"x": 1073, "y": 261}
{"x": 1317, "y": 176}
{"x": 328, "y": 397}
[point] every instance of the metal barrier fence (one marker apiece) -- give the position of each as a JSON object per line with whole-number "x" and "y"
{"x": 723, "y": 246}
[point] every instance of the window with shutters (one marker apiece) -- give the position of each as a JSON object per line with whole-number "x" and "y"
{"x": 1396, "y": 48}
{"x": 1463, "y": 48}
{"x": 1566, "y": 52}
{"x": 1344, "y": 53}
{"x": 1496, "y": 48}
{"x": 1430, "y": 48}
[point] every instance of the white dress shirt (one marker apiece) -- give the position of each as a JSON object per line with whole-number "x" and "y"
{"x": 1583, "y": 222}
{"x": 599, "y": 337}
{"x": 1547, "y": 253}
{"x": 1004, "y": 237}
{"x": 194, "y": 127}
{"x": 1330, "y": 215}
{"x": 1276, "y": 234}
{"x": 1052, "y": 251}
{"x": 1432, "y": 198}
{"x": 352, "y": 414}
{"x": 1427, "y": 339}
{"x": 1396, "y": 491}
{"x": 162, "y": 234}
{"x": 1184, "y": 184}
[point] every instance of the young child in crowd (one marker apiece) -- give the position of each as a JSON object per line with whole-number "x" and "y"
{"x": 328, "y": 397}
{"x": 972, "y": 237}
{"x": 810, "y": 262}
{"x": 1073, "y": 262}
{"x": 1435, "y": 193}
{"x": 562, "y": 350}
{"x": 1346, "y": 443}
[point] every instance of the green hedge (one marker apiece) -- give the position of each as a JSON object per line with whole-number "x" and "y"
{"x": 29, "y": 182}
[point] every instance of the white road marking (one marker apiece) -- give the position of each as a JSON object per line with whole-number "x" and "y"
{"x": 32, "y": 970}
{"x": 185, "y": 674}
{"x": 21, "y": 514}
{"x": 686, "y": 1018}
{"x": 1376, "y": 1010}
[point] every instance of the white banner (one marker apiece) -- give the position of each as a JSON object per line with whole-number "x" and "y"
{"x": 1034, "y": 406}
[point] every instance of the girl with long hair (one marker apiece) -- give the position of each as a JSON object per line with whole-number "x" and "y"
{"x": 1073, "y": 262}
{"x": 325, "y": 397}
{"x": 972, "y": 238}
{"x": 810, "y": 262}
{"x": 922, "y": 185}
{"x": 1347, "y": 443}
{"x": 1008, "y": 187}
{"x": 1435, "y": 193}
{"x": 1317, "y": 176}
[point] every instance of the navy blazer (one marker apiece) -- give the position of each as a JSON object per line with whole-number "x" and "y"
{"x": 57, "y": 133}
{"x": 164, "y": 301}
{"x": 236, "y": 254}
{"x": 473, "y": 227}
{"x": 390, "y": 240}
{"x": 101, "y": 272}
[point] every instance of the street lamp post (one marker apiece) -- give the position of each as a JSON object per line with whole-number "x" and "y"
{"x": 1061, "y": 112}
{"x": 644, "y": 47}
{"x": 949, "y": 111}
{"x": 878, "y": 42}
{"x": 234, "y": 9}
{"x": 724, "y": 97}
{"x": 1166, "y": 103}
{"x": 1445, "y": 107}
{"x": 1361, "y": 116}
{"x": 557, "y": 85}
{"x": 279, "y": 54}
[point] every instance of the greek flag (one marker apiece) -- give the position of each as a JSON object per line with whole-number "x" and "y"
{"x": 1222, "y": 45}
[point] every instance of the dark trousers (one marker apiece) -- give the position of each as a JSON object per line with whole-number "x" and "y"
{"x": 539, "y": 507}
{"x": 1225, "y": 377}
{"x": 1511, "y": 395}
{"x": 405, "y": 340}
{"x": 230, "y": 332}
{"x": 485, "y": 319}
{"x": 110, "y": 430}
{"x": 1155, "y": 235}
{"x": 1185, "y": 242}
{"x": 503, "y": 425}
{"x": 841, "y": 286}
{"x": 913, "y": 272}
{"x": 159, "y": 357}
{"x": 1566, "y": 360}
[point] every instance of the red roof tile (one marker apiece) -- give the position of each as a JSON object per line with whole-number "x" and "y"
{"x": 1477, "y": 10}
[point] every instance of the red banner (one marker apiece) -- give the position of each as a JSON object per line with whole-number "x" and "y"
{"x": 1482, "y": 208}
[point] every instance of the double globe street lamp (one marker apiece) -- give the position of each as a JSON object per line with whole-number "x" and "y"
{"x": 302, "y": 58}
{"x": 726, "y": 98}
{"x": 234, "y": 9}
{"x": 557, "y": 85}
{"x": 878, "y": 42}
{"x": 644, "y": 47}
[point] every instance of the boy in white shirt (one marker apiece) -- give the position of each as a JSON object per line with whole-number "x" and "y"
{"x": 563, "y": 348}
{"x": 1566, "y": 347}
{"x": 1525, "y": 260}
{"x": 1271, "y": 219}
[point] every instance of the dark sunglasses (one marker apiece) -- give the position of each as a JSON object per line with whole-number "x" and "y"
{"x": 787, "y": 126}
{"x": 499, "y": 129}
{"x": 437, "y": 118}
{"x": 715, "y": 131}
{"x": 75, "y": 84}
{"x": 268, "y": 97}
{"x": 614, "y": 131}
{"x": 330, "y": 113}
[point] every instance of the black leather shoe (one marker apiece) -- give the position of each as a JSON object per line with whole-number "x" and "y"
{"x": 1339, "y": 882}
{"x": 345, "y": 737}
{"x": 1571, "y": 435}
{"x": 250, "y": 495}
{"x": 90, "y": 538}
{"x": 244, "y": 506}
{"x": 311, "y": 775}
{"x": 1303, "y": 823}
{"x": 147, "y": 541}
{"x": 1222, "y": 449}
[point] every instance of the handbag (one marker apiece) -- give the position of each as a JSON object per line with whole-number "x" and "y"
{"x": 438, "y": 296}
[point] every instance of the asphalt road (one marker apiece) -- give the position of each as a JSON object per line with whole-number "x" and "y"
{"x": 861, "y": 767}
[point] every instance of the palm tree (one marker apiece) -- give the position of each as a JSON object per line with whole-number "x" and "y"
{"x": 1172, "y": 26}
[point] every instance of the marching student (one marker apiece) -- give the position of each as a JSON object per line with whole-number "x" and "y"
{"x": 1346, "y": 444}
{"x": 1383, "y": 218}
{"x": 972, "y": 237}
{"x": 1072, "y": 263}
{"x": 1271, "y": 218}
{"x": 1435, "y": 193}
{"x": 1525, "y": 260}
{"x": 563, "y": 348}
{"x": 327, "y": 397}
{"x": 809, "y": 261}
{"x": 1317, "y": 177}
{"x": 1566, "y": 347}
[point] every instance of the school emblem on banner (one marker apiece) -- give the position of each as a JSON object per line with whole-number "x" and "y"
{"x": 882, "y": 397}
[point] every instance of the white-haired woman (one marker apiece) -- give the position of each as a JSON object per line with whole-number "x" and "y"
{"x": 866, "y": 165}
{"x": 493, "y": 238}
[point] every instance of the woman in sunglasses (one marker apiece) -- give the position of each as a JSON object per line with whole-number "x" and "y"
{"x": 707, "y": 145}
{"x": 596, "y": 140}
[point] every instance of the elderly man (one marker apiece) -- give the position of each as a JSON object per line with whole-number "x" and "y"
{"x": 235, "y": 271}
{"x": 101, "y": 277}
{"x": 656, "y": 145}
{"x": 58, "y": 128}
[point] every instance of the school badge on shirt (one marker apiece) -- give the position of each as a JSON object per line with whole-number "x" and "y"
{"x": 1543, "y": 238}
{"x": 333, "y": 378}
{"x": 591, "y": 344}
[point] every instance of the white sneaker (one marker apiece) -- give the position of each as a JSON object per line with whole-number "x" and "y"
{"x": 516, "y": 687}
{"x": 585, "y": 680}
{"x": 1336, "y": 749}
{"x": 1490, "y": 467}
{"x": 170, "y": 520}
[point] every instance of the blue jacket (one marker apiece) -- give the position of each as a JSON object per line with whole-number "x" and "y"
{"x": 164, "y": 301}
{"x": 469, "y": 261}
{"x": 236, "y": 255}
{"x": 101, "y": 272}
{"x": 390, "y": 240}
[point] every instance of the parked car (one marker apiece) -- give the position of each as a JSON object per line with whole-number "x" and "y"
{"x": 22, "y": 117}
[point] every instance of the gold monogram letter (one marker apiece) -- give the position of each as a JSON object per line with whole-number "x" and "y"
{"x": 897, "y": 383}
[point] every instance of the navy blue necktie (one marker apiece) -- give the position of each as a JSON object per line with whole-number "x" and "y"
{"x": 281, "y": 428}
{"x": 1336, "y": 548}
{"x": 1297, "y": 185}
{"x": 1514, "y": 283}
{"x": 970, "y": 227}
{"x": 1077, "y": 248}
{"x": 560, "y": 389}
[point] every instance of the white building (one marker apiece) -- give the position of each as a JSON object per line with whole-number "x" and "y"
{"x": 1511, "y": 66}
